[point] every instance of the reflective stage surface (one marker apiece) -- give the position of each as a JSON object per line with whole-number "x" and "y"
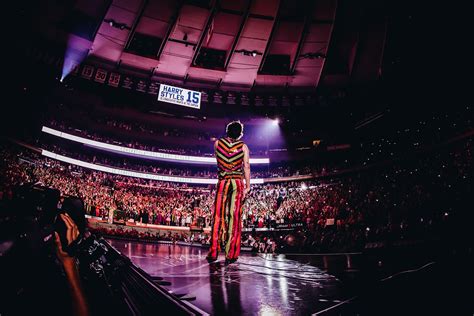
{"x": 393, "y": 283}
{"x": 256, "y": 284}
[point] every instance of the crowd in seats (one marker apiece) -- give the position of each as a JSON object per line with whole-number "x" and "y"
{"x": 256, "y": 242}
{"x": 98, "y": 117}
{"x": 150, "y": 166}
{"x": 414, "y": 134}
{"x": 144, "y": 143}
{"x": 150, "y": 236}
{"x": 418, "y": 132}
{"x": 130, "y": 142}
{"x": 407, "y": 199}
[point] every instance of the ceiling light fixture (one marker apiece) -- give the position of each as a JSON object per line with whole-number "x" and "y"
{"x": 317, "y": 55}
{"x": 245, "y": 52}
{"x": 117, "y": 25}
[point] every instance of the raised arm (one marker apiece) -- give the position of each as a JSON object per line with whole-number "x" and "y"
{"x": 79, "y": 301}
{"x": 246, "y": 170}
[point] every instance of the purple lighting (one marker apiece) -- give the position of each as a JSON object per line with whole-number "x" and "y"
{"x": 77, "y": 50}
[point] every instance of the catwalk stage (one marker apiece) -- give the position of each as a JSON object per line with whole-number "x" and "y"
{"x": 299, "y": 284}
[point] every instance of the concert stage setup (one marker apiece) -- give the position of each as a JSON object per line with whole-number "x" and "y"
{"x": 297, "y": 284}
{"x": 316, "y": 146}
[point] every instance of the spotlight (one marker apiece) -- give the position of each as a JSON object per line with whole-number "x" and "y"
{"x": 245, "y": 52}
{"x": 276, "y": 121}
{"x": 118, "y": 25}
{"x": 304, "y": 186}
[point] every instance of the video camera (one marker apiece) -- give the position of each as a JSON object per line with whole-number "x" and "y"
{"x": 31, "y": 277}
{"x": 33, "y": 215}
{"x": 28, "y": 223}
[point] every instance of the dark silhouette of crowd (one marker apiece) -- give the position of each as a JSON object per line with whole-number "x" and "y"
{"x": 414, "y": 198}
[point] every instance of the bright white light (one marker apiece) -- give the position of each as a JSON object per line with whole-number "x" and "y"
{"x": 276, "y": 122}
{"x": 304, "y": 186}
{"x": 129, "y": 173}
{"x": 142, "y": 153}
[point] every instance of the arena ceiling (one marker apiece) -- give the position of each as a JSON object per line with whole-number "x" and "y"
{"x": 229, "y": 44}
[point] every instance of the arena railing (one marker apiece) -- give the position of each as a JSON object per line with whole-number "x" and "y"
{"x": 129, "y": 173}
{"x": 142, "y": 153}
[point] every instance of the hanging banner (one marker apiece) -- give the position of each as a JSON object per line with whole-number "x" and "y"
{"x": 180, "y": 96}
{"x": 114, "y": 79}
{"x": 153, "y": 87}
{"x": 100, "y": 75}
{"x": 127, "y": 82}
{"x": 141, "y": 86}
{"x": 87, "y": 72}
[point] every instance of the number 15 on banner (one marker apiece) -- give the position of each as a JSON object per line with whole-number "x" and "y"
{"x": 195, "y": 97}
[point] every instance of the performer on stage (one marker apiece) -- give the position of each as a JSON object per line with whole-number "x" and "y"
{"x": 233, "y": 166}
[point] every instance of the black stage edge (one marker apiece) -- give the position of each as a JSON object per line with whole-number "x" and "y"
{"x": 402, "y": 282}
{"x": 144, "y": 296}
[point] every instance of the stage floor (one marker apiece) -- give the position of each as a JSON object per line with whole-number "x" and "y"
{"x": 257, "y": 284}
{"x": 414, "y": 282}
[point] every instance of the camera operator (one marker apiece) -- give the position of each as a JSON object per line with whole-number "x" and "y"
{"x": 51, "y": 263}
{"x": 79, "y": 303}
{"x": 37, "y": 249}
